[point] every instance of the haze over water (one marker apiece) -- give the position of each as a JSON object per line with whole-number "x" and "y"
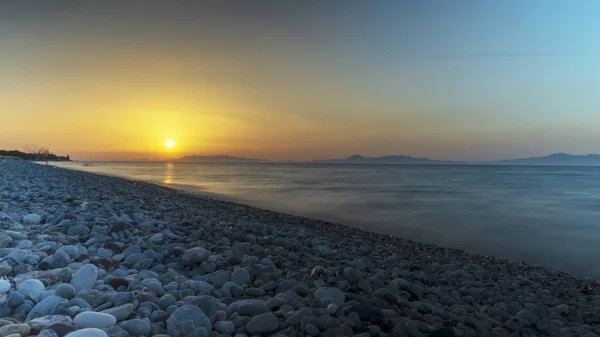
{"x": 542, "y": 215}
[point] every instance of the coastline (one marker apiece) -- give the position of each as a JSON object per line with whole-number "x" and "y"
{"x": 406, "y": 288}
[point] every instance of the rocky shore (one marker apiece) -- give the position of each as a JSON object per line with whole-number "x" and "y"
{"x": 91, "y": 255}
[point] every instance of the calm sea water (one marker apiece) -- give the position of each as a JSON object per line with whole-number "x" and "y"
{"x": 542, "y": 215}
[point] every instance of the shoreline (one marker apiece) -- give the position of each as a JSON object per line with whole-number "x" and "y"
{"x": 404, "y": 287}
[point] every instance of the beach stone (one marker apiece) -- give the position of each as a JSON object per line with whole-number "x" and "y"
{"x": 5, "y": 240}
{"x": 65, "y": 290}
{"x": 220, "y": 277}
{"x": 250, "y": 309}
{"x": 94, "y": 297}
{"x": 5, "y": 269}
{"x": 336, "y": 295}
{"x": 195, "y": 255}
{"x": 254, "y": 292}
{"x": 296, "y": 318}
{"x": 262, "y": 324}
{"x": 78, "y": 230}
{"x": 91, "y": 319}
{"x": 33, "y": 219}
{"x": 88, "y": 332}
{"x": 166, "y": 300}
{"x": 136, "y": 327}
{"x": 119, "y": 226}
{"x": 156, "y": 238}
{"x": 41, "y": 323}
{"x": 312, "y": 329}
{"x": 135, "y": 258}
{"x": 207, "y": 304}
{"x": 353, "y": 275}
{"x": 240, "y": 276}
{"x": 15, "y": 298}
{"x": 45, "y": 333}
{"x": 189, "y": 321}
{"x": 60, "y": 259}
{"x": 225, "y": 327}
{"x": 70, "y": 250}
{"x": 116, "y": 331}
{"x": 20, "y": 329}
{"x": 120, "y": 312}
{"x": 44, "y": 307}
{"x": 85, "y": 277}
{"x": 62, "y": 329}
{"x": 104, "y": 253}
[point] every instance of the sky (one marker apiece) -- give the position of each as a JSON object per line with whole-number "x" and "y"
{"x": 467, "y": 80}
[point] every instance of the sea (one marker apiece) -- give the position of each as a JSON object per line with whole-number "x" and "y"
{"x": 543, "y": 215}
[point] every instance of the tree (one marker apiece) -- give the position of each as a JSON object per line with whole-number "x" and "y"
{"x": 44, "y": 154}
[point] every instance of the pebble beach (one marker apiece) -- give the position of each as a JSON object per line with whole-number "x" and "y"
{"x": 90, "y": 255}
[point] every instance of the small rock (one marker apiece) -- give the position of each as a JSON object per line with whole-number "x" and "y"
{"x": 311, "y": 329}
{"x": 189, "y": 320}
{"x": 33, "y": 219}
{"x": 336, "y": 295}
{"x": 120, "y": 312}
{"x": 32, "y": 289}
{"x": 65, "y": 290}
{"x": 195, "y": 255}
{"x": 21, "y": 329}
{"x": 225, "y": 327}
{"x": 78, "y": 230}
{"x": 136, "y": 327}
{"x": 353, "y": 275}
{"x": 85, "y": 277}
{"x": 262, "y": 324}
{"x": 91, "y": 319}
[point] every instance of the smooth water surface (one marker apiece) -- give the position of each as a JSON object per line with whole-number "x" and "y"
{"x": 542, "y": 215}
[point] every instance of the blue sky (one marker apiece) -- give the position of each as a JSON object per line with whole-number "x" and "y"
{"x": 454, "y": 80}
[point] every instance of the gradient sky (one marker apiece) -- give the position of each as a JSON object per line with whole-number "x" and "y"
{"x": 466, "y": 80}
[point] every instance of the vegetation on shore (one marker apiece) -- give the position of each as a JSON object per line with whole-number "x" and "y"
{"x": 42, "y": 154}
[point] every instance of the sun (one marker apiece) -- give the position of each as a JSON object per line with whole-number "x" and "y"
{"x": 169, "y": 143}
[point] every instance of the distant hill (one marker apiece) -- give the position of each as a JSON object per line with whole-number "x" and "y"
{"x": 358, "y": 159}
{"x": 220, "y": 159}
{"x": 558, "y": 159}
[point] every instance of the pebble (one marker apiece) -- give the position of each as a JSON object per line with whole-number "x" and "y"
{"x": 189, "y": 320}
{"x": 312, "y": 329}
{"x": 225, "y": 327}
{"x": 240, "y": 276}
{"x": 120, "y": 312}
{"x": 195, "y": 255}
{"x": 85, "y": 277}
{"x": 91, "y": 319}
{"x": 65, "y": 290}
{"x": 262, "y": 324}
{"x": 19, "y": 329}
{"x": 136, "y": 327}
{"x": 33, "y": 219}
{"x": 32, "y": 289}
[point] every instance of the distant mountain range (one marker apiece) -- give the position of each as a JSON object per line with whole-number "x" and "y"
{"x": 563, "y": 159}
{"x": 221, "y": 159}
{"x": 555, "y": 159}
{"x": 358, "y": 159}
